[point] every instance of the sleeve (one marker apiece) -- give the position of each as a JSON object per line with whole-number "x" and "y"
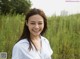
{"x": 16, "y": 53}
{"x": 19, "y": 53}
{"x": 49, "y": 47}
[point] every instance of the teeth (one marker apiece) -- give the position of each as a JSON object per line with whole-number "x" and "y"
{"x": 35, "y": 31}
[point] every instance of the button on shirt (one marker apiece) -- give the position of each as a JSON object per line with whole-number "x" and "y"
{"x": 21, "y": 50}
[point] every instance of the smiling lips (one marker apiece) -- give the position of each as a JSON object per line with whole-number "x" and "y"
{"x": 36, "y": 31}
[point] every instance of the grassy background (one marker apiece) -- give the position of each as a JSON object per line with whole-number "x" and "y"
{"x": 63, "y": 33}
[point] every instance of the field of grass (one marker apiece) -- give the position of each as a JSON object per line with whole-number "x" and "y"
{"x": 63, "y": 34}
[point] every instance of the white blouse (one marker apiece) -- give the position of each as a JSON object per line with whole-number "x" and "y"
{"x": 21, "y": 51}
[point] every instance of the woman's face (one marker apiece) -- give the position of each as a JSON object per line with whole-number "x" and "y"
{"x": 35, "y": 25}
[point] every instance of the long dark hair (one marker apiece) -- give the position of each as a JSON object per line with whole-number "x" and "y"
{"x": 26, "y": 32}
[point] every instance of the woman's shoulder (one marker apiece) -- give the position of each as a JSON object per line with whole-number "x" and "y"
{"x": 47, "y": 45}
{"x": 44, "y": 39}
{"x": 21, "y": 43}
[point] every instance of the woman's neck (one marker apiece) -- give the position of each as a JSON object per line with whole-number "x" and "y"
{"x": 37, "y": 42}
{"x": 35, "y": 37}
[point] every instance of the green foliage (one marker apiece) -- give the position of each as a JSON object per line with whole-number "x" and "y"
{"x": 63, "y": 33}
{"x": 10, "y": 31}
{"x": 14, "y": 6}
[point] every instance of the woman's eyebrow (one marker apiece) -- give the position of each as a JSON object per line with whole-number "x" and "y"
{"x": 38, "y": 21}
{"x": 32, "y": 21}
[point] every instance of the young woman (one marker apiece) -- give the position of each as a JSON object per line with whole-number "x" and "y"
{"x": 32, "y": 45}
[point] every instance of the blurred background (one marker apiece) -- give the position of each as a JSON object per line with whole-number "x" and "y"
{"x": 63, "y": 25}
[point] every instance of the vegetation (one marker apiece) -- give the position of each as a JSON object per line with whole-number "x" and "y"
{"x": 14, "y": 6}
{"x": 63, "y": 33}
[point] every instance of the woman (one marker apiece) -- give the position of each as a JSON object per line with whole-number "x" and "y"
{"x": 32, "y": 45}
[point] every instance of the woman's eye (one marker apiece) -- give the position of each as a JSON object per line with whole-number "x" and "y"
{"x": 40, "y": 23}
{"x": 32, "y": 23}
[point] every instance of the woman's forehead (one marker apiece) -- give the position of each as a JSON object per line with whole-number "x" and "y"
{"x": 35, "y": 18}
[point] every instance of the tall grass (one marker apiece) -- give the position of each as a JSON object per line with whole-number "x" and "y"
{"x": 10, "y": 29}
{"x": 63, "y": 33}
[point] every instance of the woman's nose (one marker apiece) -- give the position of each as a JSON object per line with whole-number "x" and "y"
{"x": 36, "y": 26}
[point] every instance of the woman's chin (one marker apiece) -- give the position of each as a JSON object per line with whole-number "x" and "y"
{"x": 36, "y": 34}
